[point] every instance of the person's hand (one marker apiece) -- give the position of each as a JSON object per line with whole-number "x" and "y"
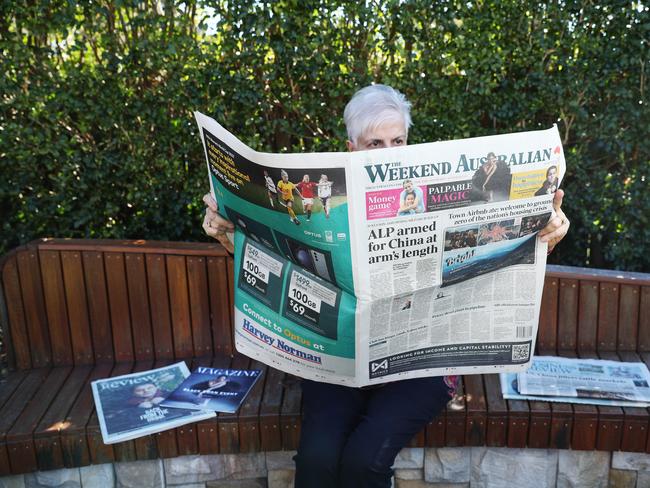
{"x": 215, "y": 225}
{"x": 558, "y": 226}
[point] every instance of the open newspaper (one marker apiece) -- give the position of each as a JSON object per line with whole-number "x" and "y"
{"x": 366, "y": 267}
{"x": 586, "y": 378}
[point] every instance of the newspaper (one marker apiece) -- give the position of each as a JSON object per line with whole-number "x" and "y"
{"x": 510, "y": 392}
{"x": 586, "y": 378}
{"x": 366, "y": 267}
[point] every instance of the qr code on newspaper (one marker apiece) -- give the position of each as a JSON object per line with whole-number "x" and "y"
{"x": 520, "y": 352}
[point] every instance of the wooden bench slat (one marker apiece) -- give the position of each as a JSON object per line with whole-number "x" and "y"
{"x": 19, "y": 352}
{"x": 199, "y": 310}
{"x": 20, "y": 438}
{"x": 588, "y": 316}
{"x": 35, "y": 317}
{"x": 270, "y": 437}
{"x": 138, "y": 294}
{"x": 12, "y": 409}
{"x": 9, "y": 384}
{"x": 628, "y": 318}
{"x": 610, "y": 418}
{"x": 585, "y": 422}
{"x": 46, "y": 434}
{"x": 55, "y": 307}
{"x": 229, "y": 435}
{"x": 159, "y": 306}
{"x": 98, "y": 308}
{"x": 139, "y": 245}
{"x": 568, "y": 314}
{"x": 548, "y": 315}
{"x": 166, "y": 440}
{"x": 72, "y": 432}
{"x": 475, "y": 430}
{"x": 180, "y": 306}
{"x": 561, "y": 427}
{"x": 187, "y": 435}
{"x": 518, "y": 423}
{"x": 208, "y": 430}
{"x": 636, "y": 420}
{"x": 220, "y": 309}
{"x": 608, "y": 317}
{"x": 122, "y": 451}
{"x": 497, "y": 412}
{"x": 145, "y": 447}
{"x": 540, "y": 425}
{"x": 77, "y": 305}
{"x": 249, "y": 413}
{"x": 456, "y": 417}
{"x": 644, "y": 320}
{"x": 118, "y": 302}
{"x": 290, "y": 413}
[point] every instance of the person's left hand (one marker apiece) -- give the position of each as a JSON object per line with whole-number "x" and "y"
{"x": 558, "y": 226}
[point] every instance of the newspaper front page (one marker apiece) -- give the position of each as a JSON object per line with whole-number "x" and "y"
{"x": 367, "y": 267}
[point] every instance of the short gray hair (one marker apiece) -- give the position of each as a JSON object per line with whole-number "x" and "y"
{"x": 372, "y": 106}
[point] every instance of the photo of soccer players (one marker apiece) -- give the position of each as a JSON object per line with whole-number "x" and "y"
{"x": 286, "y": 190}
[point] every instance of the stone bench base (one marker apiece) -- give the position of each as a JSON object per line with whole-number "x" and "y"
{"x": 414, "y": 468}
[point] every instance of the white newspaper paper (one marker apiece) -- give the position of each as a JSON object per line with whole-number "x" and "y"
{"x": 510, "y": 392}
{"x": 366, "y": 267}
{"x": 586, "y": 378}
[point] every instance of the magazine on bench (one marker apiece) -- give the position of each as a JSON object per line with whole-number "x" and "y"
{"x": 129, "y": 406}
{"x": 217, "y": 389}
{"x": 366, "y": 267}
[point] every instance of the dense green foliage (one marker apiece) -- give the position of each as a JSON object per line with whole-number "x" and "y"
{"x": 97, "y": 137}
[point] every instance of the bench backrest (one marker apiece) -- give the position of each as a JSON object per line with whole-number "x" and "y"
{"x": 91, "y": 301}
{"x": 594, "y": 311}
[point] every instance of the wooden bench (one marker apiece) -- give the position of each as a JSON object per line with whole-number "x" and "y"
{"x": 76, "y": 310}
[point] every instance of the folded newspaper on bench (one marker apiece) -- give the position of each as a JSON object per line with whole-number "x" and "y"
{"x": 367, "y": 267}
{"x": 551, "y": 376}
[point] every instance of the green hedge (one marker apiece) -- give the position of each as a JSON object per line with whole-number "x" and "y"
{"x": 97, "y": 137}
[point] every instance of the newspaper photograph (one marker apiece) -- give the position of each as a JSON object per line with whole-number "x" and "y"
{"x": 366, "y": 267}
{"x": 586, "y": 378}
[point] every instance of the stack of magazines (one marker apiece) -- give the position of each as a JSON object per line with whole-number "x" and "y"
{"x": 593, "y": 381}
{"x": 139, "y": 404}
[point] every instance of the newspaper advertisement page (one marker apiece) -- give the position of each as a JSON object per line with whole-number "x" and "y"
{"x": 448, "y": 259}
{"x": 294, "y": 291}
{"x": 586, "y": 378}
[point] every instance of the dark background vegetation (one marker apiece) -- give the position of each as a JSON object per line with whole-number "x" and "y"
{"x": 97, "y": 137}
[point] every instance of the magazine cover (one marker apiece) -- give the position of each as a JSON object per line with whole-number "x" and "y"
{"x": 216, "y": 389}
{"x": 129, "y": 406}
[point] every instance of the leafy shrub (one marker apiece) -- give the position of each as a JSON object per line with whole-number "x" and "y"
{"x": 97, "y": 137}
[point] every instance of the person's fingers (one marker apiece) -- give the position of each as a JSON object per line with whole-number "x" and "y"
{"x": 218, "y": 222}
{"x": 557, "y": 227}
{"x": 557, "y": 200}
{"x": 218, "y": 232}
{"x": 210, "y": 202}
{"x": 211, "y": 231}
{"x": 225, "y": 242}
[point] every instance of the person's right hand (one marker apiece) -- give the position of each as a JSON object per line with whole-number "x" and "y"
{"x": 215, "y": 225}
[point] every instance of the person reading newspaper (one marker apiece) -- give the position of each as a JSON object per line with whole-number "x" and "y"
{"x": 351, "y": 436}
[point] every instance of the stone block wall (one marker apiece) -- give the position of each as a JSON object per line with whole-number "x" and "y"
{"x": 476, "y": 467}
